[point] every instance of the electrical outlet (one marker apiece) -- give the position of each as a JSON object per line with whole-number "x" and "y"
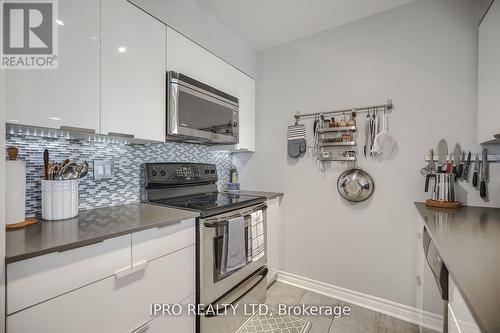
{"x": 103, "y": 169}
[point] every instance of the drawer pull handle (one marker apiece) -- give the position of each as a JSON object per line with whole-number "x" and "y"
{"x": 142, "y": 329}
{"x": 121, "y": 135}
{"x": 77, "y": 129}
{"x": 140, "y": 266}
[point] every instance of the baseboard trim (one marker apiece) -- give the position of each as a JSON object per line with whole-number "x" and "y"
{"x": 393, "y": 309}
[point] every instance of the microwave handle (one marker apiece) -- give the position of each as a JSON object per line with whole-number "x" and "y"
{"x": 212, "y": 223}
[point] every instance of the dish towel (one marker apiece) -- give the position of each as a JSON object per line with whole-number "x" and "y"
{"x": 296, "y": 140}
{"x": 257, "y": 237}
{"x": 233, "y": 250}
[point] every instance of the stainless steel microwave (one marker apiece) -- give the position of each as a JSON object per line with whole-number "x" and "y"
{"x": 199, "y": 113}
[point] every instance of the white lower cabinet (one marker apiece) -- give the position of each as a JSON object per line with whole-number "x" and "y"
{"x": 118, "y": 304}
{"x": 460, "y": 318}
{"x": 273, "y": 238}
{"x": 37, "y": 279}
{"x": 156, "y": 242}
{"x": 178, "y": 324}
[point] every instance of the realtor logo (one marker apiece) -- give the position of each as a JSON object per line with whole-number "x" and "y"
{"x": 29, "y": 34}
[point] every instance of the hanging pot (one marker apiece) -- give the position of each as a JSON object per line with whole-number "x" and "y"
{"x": 355, "y": 185}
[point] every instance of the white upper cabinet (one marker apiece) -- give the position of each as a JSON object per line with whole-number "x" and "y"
{"x": 489, "y": 75}
{"x": 246, "y": 96}
{"x": 186, "y": 57}
{"x": 133, "y": 72}
{"x": 69, "y": 95}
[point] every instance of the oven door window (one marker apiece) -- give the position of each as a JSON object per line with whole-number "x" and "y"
{"x": 205, "y": 113}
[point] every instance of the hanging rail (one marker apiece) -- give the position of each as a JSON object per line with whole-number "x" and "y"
{"x": 389, "y": 107}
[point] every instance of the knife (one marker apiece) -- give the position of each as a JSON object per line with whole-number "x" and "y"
{"x": 457, "y": 153}
{"x": 442, "y": 154}
{"x": 476, "y": 169}
{"x": 460, "y": 168}
{"x": 465, "y": 175}
{"x": 484, "y": 175}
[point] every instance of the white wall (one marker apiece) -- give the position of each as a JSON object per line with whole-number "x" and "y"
{"x": 482, "y": 8}
{"x": 194, "y": 22}
{"x": 423, "y": 56}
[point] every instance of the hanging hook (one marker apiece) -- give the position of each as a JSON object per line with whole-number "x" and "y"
{"x": 297, "y": 117}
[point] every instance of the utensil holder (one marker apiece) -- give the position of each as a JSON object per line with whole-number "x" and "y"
{"x": 59, "y": 199}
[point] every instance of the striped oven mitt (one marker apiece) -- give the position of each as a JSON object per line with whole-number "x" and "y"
{"x": 296, "y": 140}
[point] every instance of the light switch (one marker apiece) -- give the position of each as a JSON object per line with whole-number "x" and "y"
{"x": 103, "y": 169}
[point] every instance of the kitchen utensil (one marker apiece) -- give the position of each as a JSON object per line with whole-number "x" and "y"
{"x": 372, "y": 130}
{"x": 484, "y": 174}
{"x": 83, "y": 169}
{"x": 465, "y": 175}
{"x": 384, "y": 143}
{"x": 69, "y": 171}
{"x": 442, "y": 155}
{"x": 12, "y": 153}
{"x": 355, "y": 185}
{"x": 431, "y": 171}
{"x": 460, "y": 167}
{"x": 457, "y": 153}
{"x": 46, "y": 164}
{"x": 367, "y": 134}
{"x": 476, "y": 170}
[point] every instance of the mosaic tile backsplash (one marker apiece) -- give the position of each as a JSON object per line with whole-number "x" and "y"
{"x": 123, "y": 188}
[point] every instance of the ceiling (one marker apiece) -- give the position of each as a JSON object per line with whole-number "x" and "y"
{"x": 267, "y": 23}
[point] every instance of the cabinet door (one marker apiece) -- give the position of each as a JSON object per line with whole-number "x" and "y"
{"x": 459, "y": 314}
{"x": 489, "y": 75}
{"x": 133, "y": 73}
{"x": 156, "y": 242}
{"x": 37, "y": 279}
{"x": 273, "y": 238}
{"x": 69, "y": 95}
{"x": 246, "y": 96}
{"x": 115, "y": 304}
{"x": 187, "y": 57}
{"x": 178, "y": 324}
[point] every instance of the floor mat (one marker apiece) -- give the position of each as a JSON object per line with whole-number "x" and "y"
{"x": 272, "y": 322}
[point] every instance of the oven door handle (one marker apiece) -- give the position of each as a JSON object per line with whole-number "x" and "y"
{"x": 217, "y": 311}
{"x": 214, "y": 222}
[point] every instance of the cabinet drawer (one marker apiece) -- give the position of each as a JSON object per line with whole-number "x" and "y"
{"x": 37, "y": 279}
{"x": 112, "y": 304}
{"x": 179, "y": 324}
{"x": 156, "y": 242}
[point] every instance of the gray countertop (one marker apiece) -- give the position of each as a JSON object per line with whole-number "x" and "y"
{"x": 268, "y": 195}
{"x": 468, "y": 240}
{"x": 91, "y": 226}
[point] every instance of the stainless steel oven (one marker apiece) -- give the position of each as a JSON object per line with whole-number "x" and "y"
{"x": 199, "y": 113}
{"x": 218, "y": 288}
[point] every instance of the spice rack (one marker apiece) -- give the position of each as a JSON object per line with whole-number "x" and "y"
{"x": 334, "y": 138}
{"x": 350, "y": 147}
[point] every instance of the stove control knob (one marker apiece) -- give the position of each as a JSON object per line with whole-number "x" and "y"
{"x": 154, "y": 173}
{"x": 207, "y": 171}
{"x": 212, "y": 171}
{"x": 163, "y": 173}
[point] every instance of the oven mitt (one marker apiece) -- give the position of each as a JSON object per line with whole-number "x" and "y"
{"x": 294, "y": 148}
{"x": 296, "y": 140}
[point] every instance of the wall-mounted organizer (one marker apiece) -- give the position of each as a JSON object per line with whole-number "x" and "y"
{"x": 491, "y": 158}
{"x": 336, "y": 132}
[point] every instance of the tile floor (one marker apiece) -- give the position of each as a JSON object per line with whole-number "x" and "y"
{"x": 361, "y": 320}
